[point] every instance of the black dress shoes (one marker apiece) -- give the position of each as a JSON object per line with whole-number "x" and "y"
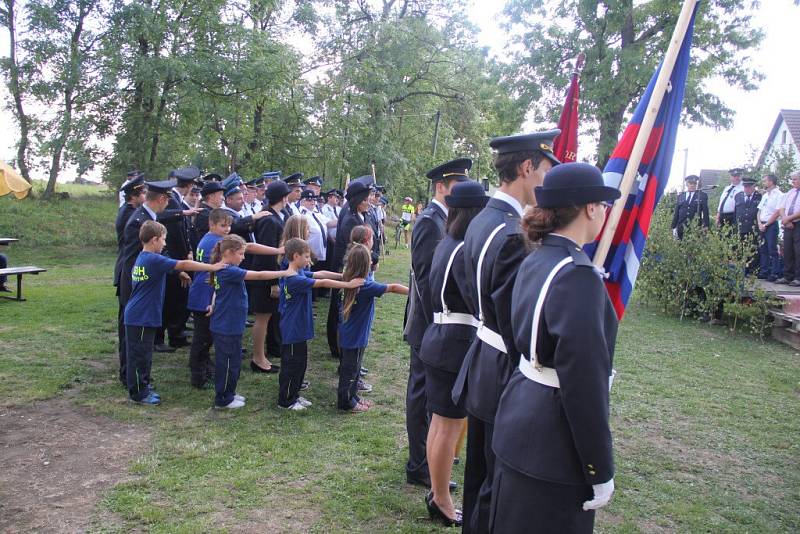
{"x": 437, "y": 515}
{"x": 162, "y": 347}
{"x": 179, "y": 342}
{"x": 257, "y": 369}
{"x": 425, "y": 481}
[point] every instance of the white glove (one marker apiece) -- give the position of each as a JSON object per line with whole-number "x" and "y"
{"x": 675, "y": 233}
{"x": 602, "y": 494}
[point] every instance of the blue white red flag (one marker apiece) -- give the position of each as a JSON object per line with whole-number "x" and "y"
{"x": 622, "y": 262}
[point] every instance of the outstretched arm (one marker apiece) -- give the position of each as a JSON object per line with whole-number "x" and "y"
{"x": 262, "y": 250}
{"x": 265, "y": 275}
{"x": 400, "y": 289}
{"x": 336, "y": 284}
{"x": 327, "y": 274}
{"x": 190, "y": 265}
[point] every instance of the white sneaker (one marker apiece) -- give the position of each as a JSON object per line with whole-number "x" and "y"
{"x": 235, "y": 403}
{"x": 296, "y": 407}
{"x": 239, "y": 398}
{"x": 304, "y": 401}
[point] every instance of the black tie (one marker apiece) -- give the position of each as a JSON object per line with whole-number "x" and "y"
{"x": 321, "y": 229}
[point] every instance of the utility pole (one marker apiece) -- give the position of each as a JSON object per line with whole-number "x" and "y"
{"x": 685, "y": 164}
{"x": 436, "y": 132}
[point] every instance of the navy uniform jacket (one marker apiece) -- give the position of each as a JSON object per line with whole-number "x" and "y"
{"x": 747, "y": 212}
{"x": 486, "y": 370}
{"x": 348, "y": 220}
{"x": 268, "y": 231}
{"x": 445, "y": 345}
{"x": 244, "y": 227}
{"x": 201, "y": 223}
{"x": 178, "y": 243}
{"x": 371, "y": 218}
{"x": 686, "y": 210}
{"x": 427, "y": 232}
{"x": 131, "y": 246}
{"x": 560, "y": 434}
{"x": 124, "y": 213}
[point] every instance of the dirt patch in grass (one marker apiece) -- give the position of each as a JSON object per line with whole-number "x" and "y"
{"x": 56, "y": 461}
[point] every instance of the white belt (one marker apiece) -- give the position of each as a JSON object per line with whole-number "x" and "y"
{"x": 491, "y": 337}
{"x": 546, "y": 376}
{"x": 455, "y": 318}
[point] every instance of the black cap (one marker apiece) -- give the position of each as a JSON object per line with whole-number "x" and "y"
{"x": 212, "y": 177}
{"x": 307, "y": 194}
{"x": 749, "y": 180}
{"x": 457, "y": 169}
{"x": 276, "y": 191}
{"x": 334, "y": 192}
{"x": 255, "y": 182}
{"x": 293, "y": 180}
{"x": 541, "y": 141}
{"x": 736, "y": 171}
{"x": 211, "y": 187}
{"x": 573, "y": 184}
{"x": 164, "y": 186}
{"x": 467, "y": 195}
{"x": 133, "y": 185}
{"x": 357, "y": 192}
{"x": 692, "y": 178}
{"x": 185, "y": 174}
{"x": 367, "y": 181}
{"x": 314, "y": 180}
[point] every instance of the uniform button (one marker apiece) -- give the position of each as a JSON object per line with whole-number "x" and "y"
{"x": 590, "y": 466}
{"x": 592, "y": 473}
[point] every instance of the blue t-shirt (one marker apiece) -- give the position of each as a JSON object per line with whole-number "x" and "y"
{"x": 297, "y": 322}
{"x": 230, "y": 308}
{"x": 147, "y": 296}
{"x": 354, "y": 333}
{"x": 200, "y": 292}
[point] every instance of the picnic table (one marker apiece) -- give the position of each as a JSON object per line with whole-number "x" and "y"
{"x": 17, "y": 271}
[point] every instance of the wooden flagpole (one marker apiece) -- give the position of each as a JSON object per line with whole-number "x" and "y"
{"x": 644, "y": 131}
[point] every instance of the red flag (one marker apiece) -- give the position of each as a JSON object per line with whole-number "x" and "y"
{"x": 565, "y": 146}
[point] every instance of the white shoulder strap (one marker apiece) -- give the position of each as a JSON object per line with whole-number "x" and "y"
{"x": 537, "y": 312}
{"x": 447, "y": 274}
{"x": 480, "y": 267}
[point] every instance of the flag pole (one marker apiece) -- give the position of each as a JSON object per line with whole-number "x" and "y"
{"x": 631, "y": 170}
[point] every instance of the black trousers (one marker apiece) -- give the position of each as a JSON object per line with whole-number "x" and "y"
{"x": 478, "y": 475}
{"x": 274, "y": 342}
{"x": 200, "y": 366}
{"x": 727, "y": 219}
{"x": 791, "y": 253}
{"x": 294, "y": 360}
{"x": 332, "y": 327}
{"x": 228, "y": 360}
{"x": 123, "y": 295}
{"x": 139, "y": 340}
{"x": 347, "y": 391}
{"x": 417, "y": 417}
{"x": 522, "y": 504}
{"x": 175, "y": 312}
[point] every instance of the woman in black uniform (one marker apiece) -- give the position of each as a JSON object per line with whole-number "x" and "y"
{"x": 552, "y": 439}
{"x": 445, "y": 344}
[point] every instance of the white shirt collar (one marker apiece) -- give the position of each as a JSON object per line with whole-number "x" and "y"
{"x": 444, "y": 208}
{"x": 151, "y": 212}
{"x": 508, "y": 199}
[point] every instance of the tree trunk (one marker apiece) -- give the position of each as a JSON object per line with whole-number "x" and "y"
{"x": 610, "y": 124}
{"x": 162, "y": 105}
{"x": 16, "y": 92}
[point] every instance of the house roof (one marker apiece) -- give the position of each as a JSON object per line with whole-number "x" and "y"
{"x": 792, "y": 118}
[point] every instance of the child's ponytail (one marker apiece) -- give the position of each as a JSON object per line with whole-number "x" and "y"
{"x": 229, "y": 242}
{"x": 357, "y": 263}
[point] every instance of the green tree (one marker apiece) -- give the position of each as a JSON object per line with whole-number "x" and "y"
{"x": 624, "y": 41}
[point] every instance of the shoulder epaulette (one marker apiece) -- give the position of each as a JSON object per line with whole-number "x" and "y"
{"x": 512, "y": 225}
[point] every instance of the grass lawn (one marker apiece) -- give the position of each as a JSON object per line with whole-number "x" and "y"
{"x": 705, "y": 421}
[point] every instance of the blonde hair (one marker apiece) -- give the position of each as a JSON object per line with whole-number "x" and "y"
{"x": 229, "y": 242}
{"x": 296, "y": 227}
{"x": 357, "y": 263}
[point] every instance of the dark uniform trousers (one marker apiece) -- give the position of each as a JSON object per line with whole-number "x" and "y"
{"x": 347, "y": 391}
{"x": 791, "y": 252}
{"x": 228, "y": 354}
{"x": 139, "y": 345}
{"x": 200, "y": 366}
{"x": 417, "y": 417}
{"x": 274, "y": 342}
{"x": 294, "y": 360}
{"x": 332, "y": 325}
{"x": 174, "y": 313}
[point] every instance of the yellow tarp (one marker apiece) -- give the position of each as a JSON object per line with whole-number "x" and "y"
{"x": 12, "y": 182}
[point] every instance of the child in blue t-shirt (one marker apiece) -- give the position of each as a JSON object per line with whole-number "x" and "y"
{"x": 355, "y": 324}
{"x": 143, "y": 311}
{"x": 228, "y": 317}
{"x": 297, "y": 323}
{"x": 201, "y": 293}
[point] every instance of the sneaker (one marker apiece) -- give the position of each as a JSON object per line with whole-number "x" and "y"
{"x": 304, "y": 385}
{"x": 794, "y": 283}
{"x": 151, "y": 399}
{"x": 235, "y": 403}
{"x": 782, "y": 281}
{"x": 296, "y": 407}
{"x": 239, "y": 397}
{"x": 363, "y": 371}
{"x": 367, "y": 403}
{"x": 363, "y": 386}
{"x": 304, "y": 401}
{"x": 359, "y": 408}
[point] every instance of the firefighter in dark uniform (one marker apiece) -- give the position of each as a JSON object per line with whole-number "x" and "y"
{"x": 296, "y": 187}
{"x": 691, "y": 204}
{"x": 428, "y": 231}
{"x": 351, "y": 215}
{"x": 134, "y": 191}
{"x": 493, "y": 251}
{"x": 179, "y": 247}
{"x": 444, "y": 345}
{"x": 552, "y": 438}
{"x": 153, "y": 208}
{"x": 211, "y": 196}
{"x": 746, "y": 212}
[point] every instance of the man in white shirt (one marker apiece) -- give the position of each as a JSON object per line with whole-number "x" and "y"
{"x": 768, "y": 215}
{"x": 789, "y": 215}
{"x": 331, "y": 211}
{"x": 726, "y": 211}
{"x": 296, "y": 188}
{"x": 318, "y": 229}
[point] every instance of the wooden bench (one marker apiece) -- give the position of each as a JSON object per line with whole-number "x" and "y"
{"x": 19, "y": 271}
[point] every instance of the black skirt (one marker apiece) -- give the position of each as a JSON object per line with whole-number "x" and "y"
{"x": 259, "y": 299}
{"x": 521, "y": 504}
{"x": 438, "y": 388}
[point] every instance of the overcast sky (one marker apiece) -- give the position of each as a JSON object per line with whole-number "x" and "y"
{"x": 707, "y": 148}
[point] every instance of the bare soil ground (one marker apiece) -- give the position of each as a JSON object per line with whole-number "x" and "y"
{"x": 56, "y": 461}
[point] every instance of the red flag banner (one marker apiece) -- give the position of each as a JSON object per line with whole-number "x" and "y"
{"x": 565, "y": 146}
